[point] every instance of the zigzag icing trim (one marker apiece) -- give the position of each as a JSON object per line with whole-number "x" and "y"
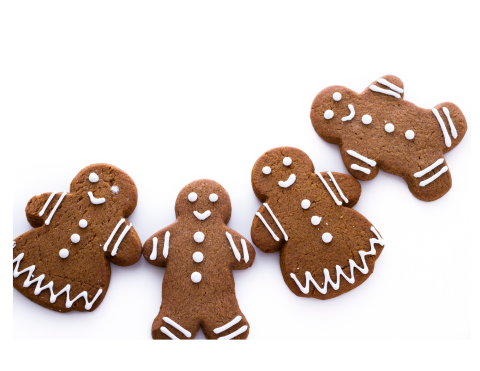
{"x": 340, "y": 272}
{"x": 53, "y": 297}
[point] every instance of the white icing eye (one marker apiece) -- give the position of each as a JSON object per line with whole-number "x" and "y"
{"x": 198, "y": 257}
{"x": 192, "y": 197}
{"x": 196, "y": 277}
{"x": 83, "y": 223}
{"x": 328, "y": 114}
{"x": 115, "y": 190}
{"x": 367, "y": 119}
{"x": 199, "y": 237}
{"x": 337, "y": 97}
{"x": 267, "y": 170}
{"x": 287, "y": 161}
{"x": 93, "y": 178}
{"x": 64, "y": 253}
{"x": 327, "y": 237}
{"x": 75, "y": 238}
{"x": 409, "y": 134}
{"x": 305, "y": 204}
{"x": 389, "y": 128}
{"x": 316, "y": 220}
{"x": 213, "y": 197}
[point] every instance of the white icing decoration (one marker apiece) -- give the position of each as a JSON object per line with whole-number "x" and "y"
{"x": 409, "y": 134}
{"x": 287, "y": 161}
{"x": 246, "y": 255}
{"x": 306, "y": 204}
{"x": 93, "y": 178}
{"x": 338, "y": 187}
{"x": 360, "y": 168}
{"x": 47, "y": 222}
{"x": 367, "y": 119}
{"x": 199, "y": 237}
{"x": 327, "y": 237}
{"x": 177, "y": 326}
{"x": 228, "y": 325}
{"x": 233, "y": 246}
{"x": 372, "y": 163}
{"x": 267, "y": 170}
{"x": 198, "y": 257}
{"x": 376, "y": 89}
{"x": 64, "y": 253}
{"x": 389, "y": 128}
{"x": 203, "y": 216}
{"x": 328, "y": 114}
{"x": 166, "y": 245}
{"x": 192, "y": 197}
{"x": 291, "y": 180}
{"x": 390, "y": 85}
{"x": 337, "y": 201}
{"x": 83, "y": 223}
{"x": 450, "y": 122}
{"x": 337, "y": 97}
{"x": 316, "y": 220}
{"x": 213, "y": 197}
{"x": 235, "y": 334}
{"x": 113, "y": 234}
{"x": 428, "y": 169}
{"x": 120, "y": 239}
{"x": 115, "y": 190}
{"x": 339, "y": 270}
{"x": 276, "y": 221}
{"x": 75, "y": 238}
{"x": 196, "y": 277}
{"x": 14, "y": 245}
{"x": 268, "y": 227}
{"x": 448, "y": 141}
{"x": 431, "y": 179}
{"x": 351, "y": 115}
{"x": 153, "y": 256}
{"x": 94, "y": 200}
{"x": 53, "y": 296}
{"x": 46, "y": 204}
{"x": 168, "y": 333}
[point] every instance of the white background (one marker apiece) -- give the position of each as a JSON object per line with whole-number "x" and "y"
{"x": 174, "y": 93}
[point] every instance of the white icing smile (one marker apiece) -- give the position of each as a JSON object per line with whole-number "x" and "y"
{"x": 352, "y": 113}
{"x": 203, "y": 216}
{"x": 289, "y": 182}
{"x": 94, "y": 200}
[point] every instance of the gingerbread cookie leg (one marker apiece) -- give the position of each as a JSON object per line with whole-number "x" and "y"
{"x": 172, "y": 325}
{"x": 357, "y": 162}
{"x": 227, "y": 325}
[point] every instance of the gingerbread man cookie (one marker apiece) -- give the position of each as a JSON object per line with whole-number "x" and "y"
{"x": 199, "y": 252}
{"x": 378, "y": 129}
{"x": 326, "y": 248}
{"x": 64, "y": 263}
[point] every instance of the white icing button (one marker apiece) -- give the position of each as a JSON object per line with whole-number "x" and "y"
{"x": 115, "y": 189}
{"x": 192, "y": 197}
{"x": 196, "y": 277}
{"x": 75, "y": 238}
{"x": 287, "y": 161}
{"x": 83, "y": 223}
{"x": 305, "y": 204}
{"x": 266, "y": 170}
{"x": 213, "y": 197}
{"x": 337, "y": 96}
{"x": 199, "y": 237}
{"x": 367, "y": 119}
{"x": 327, "y": 237}
{"x": 198, "y": 257}
{"x": 93, "y": 178}
{"x": 328, "y": 114}
{"x": 409, "y": 134}
{"x": 316, "y": 220}
{"x": 389, "y": 128}
{"x": 64, "y": 253}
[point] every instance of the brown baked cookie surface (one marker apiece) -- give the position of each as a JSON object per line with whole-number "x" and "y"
{"x": 378, "y": 129}
{"x": 199, "y": 252}
{"x": 326, "y": 248}
{"x": 64, "y": 263}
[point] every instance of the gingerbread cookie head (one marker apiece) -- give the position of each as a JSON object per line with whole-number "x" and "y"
{"x": 378, "y": 129}
{"x": 63, "y": 264}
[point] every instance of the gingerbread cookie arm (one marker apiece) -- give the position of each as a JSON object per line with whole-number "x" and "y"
{"x": 243, "y": 251}
{"x": 266, "y": 233}
{"x": 127, "y": 250}
{"x": 157, "y": 248}
{"x": 344, "y": 189}
{"x": 452, "y": 122}
{"x": 358, "y": 163}
{"x": 41, "y": 209}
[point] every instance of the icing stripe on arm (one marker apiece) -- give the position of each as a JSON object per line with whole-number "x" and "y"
{"x": 431, "y": 179}
{"x": 450, "y": 122}
{"x": 234, "y": 247}
{"x": 372, "y": 163}
{"x": 268, "y": 227}
{"x": 338, "y": 187}
{"x": 390, "y": 85}
{"x": 119, "y": 224}
{"x": 359, "y": 168}
{"x": 448, "y": 141}
{"x": 276, "y": 221}
{"x": 47, "y": 222}
{"x": 120, "y": 239}
{"x": 154, "y": 250}
{"x": 166, "y": 245}
{"x": 428, "y": 169}
{"x": 46, "y": 204}
{"x": 376, "y": 89}
{"x": 337, "y": 201}
{"x": 245, "y": 251}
